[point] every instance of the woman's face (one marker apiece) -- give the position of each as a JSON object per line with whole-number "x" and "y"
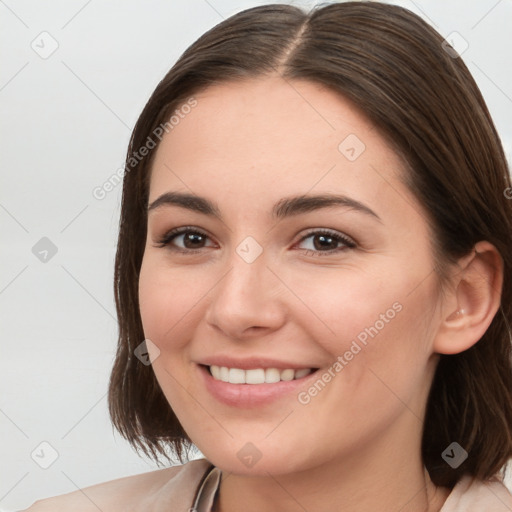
{"x": 268, "y": 283}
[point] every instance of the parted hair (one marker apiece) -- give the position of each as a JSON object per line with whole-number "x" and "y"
{"x": 420, "y": 96}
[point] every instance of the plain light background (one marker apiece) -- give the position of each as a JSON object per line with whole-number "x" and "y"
{"x": 66, "y": 121}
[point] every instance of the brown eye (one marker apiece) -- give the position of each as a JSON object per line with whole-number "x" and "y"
{"x": 327, "y": 242}
{"x": 190, "y": 238}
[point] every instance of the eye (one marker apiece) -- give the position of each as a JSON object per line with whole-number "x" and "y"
{"x": 324, "y": 240}
{"x": 191, "y": 237}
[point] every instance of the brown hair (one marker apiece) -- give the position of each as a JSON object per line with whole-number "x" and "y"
{"x": 393, "y": 66}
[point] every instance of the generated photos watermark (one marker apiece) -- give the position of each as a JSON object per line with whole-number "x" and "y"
{"x": 358, "y": 343}
{"x": 101, "y": 191}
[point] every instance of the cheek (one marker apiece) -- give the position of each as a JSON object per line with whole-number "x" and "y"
{"x": 374, "y": 321}
{"x": 171, "y": 303}
{"x": 152, "y": 298}
{"x": 162, "y": 302}
{"x": 167, "y": 313}
{"x": 340, "y": 305}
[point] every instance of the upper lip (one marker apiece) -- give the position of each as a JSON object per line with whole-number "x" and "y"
{"x": 249, "y": 363}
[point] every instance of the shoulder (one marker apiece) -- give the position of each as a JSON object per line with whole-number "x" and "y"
{"x": 146, "y": 491}
{"x": 472, "y": 495}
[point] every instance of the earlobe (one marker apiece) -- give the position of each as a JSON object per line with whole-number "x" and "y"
{"x": 474, "y": 301}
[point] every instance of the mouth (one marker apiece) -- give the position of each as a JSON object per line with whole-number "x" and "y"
{"x": 257, "y": 375}
{"x": 253, "y": 381}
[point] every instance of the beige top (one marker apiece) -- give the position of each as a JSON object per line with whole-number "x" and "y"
{"x": 194, "y": 486}
{"x": 491, "y": 496}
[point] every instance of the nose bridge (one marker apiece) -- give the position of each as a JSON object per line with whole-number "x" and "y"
{"x": 245, "y": 297}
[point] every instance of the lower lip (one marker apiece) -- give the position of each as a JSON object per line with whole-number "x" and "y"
{"x": 250, "y": 395}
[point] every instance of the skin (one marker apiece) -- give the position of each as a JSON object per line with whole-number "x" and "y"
{"x": 357, "y": 442}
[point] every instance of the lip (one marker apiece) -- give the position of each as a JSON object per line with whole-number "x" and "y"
{"x": 251, "y": 363}
{"x": 251, "y": 395}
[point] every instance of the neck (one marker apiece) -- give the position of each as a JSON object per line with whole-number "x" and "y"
{"x": 319, "y": 491}
{"x": 379, "y": 476}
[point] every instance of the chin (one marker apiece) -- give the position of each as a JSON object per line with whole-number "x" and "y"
{"x": 255, "y": 459}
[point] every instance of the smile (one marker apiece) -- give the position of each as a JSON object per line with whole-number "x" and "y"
{"x": 256, "y": 375}
{"x": 249, "y": 387}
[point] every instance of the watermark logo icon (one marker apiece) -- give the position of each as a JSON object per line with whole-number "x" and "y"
{"x": 45, "y": 45}
{"x": 146, "y": 352}
{"x": 249, "y": 455}
{"x": 249, "y": 249}
{"x": 454, "y": 455}
{"x": 44, "y": 455}
{"x": 455, "y": 45}
{"x": 44, "y": 250}
{"x": 351, "y": 147}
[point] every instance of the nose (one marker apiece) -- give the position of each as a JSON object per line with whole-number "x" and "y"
{"x": 248, "y": 301}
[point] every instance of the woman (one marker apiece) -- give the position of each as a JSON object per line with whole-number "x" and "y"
{"x": 313, "y": 275}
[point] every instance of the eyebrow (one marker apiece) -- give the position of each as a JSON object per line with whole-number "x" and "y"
{"x": 285, "y": 207}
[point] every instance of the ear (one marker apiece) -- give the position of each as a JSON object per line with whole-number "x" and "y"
{"x": 472, "y": 301}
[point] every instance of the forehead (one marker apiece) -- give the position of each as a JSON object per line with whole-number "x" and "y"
{"x": 267, "y": 137}
{"x": 270, "y": 112}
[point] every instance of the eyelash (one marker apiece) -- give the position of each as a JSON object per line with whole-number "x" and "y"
{"x": 171, "y": 235}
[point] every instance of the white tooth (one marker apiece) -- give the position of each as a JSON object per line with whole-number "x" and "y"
{"x": 272, "y": 375}
{"x": 224, "y": 374}
{"x": 256, "y": 376}
{"x": 236, "y": 376}
{"x": 302, "y": 373}
{"x": 215, "y": 371}
{"x": 287, "y": 374}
